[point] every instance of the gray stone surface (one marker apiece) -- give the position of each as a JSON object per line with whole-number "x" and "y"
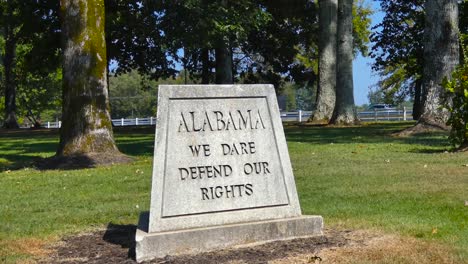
{"x": 220, "y": 159}
{"x": 196, "y": 240}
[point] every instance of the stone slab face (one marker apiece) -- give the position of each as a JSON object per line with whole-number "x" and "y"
{"x": 220, "y": 159}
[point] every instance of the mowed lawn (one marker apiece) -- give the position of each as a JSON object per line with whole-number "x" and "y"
{"x": 356, "y": 178}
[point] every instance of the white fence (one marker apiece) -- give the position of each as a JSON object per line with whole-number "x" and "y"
{"x": 367, "y": 116}
{"x": 148, "y": 121}
{"x": 298, "y": 116}
{"x": 386, "y": 115}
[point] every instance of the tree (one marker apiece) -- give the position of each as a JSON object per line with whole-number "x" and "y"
{"x": 86, "y": 129}
{"x": 344, "y": 112}
{"x": 290, "y": 34}
{"x": 134, "y": 95}
{"x": 39, "y": 96}
{"x": 457, "y": 89}
{"x": 398, "y": 50}
{"x": 325, "y": 102}
{"x": 30, "y": 34}
{"x": 441, "y": 56}
{"x": 326, "y": 88}
{"x": 136, "y": 38}
{"x": 10, "y": 25}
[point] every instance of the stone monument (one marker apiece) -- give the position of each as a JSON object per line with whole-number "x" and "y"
{"x": 222, "y": 174}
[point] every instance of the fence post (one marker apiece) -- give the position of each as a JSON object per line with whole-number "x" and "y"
{"x": 136, "y": 121}
{"x": 300, "y": 116}
{"x": 60, "y": 124}
{"x": 48, "y": 124}
{"x": 375, "y": 115}
{"x": 404, "y": 113}
{"x": 121, "y": 122}
{"x": 151, "y": 120}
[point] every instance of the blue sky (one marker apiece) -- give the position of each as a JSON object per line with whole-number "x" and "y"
{"x": 363, "y": 76}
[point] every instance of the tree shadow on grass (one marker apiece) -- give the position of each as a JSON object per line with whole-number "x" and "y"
{"x": 330, "y": 134}
{"x": 29, "y": 148}
{"x": 430, "y": 143}
{"x": 136, "y": 147}
{"x": 19, "y": 156}
{"x": 367, "y": 133}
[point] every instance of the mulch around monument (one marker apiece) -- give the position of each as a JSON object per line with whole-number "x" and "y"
{"x": 115, "y": 245}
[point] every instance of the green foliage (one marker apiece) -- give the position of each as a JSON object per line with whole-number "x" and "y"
{"x": 2, "y": 109}
{"x": 134, "y": 95}
{"x": 398, "y": 47}
{"x": 361, "y": 26}
{"x": 305, "y": 98}
{"x": 39, "y": 97}
{"x": 33, "y": 27}
{"x": 290, "y": 92}
{"x": 457, "y": 101}
{"x": 394, "y": 85}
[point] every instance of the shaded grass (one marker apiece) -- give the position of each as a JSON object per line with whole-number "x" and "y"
{"x": 358, "y": 177}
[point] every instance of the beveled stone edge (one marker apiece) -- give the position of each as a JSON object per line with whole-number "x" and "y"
{"x": 205, "y": 239}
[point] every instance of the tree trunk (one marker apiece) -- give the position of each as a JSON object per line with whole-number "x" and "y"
{"x": 206, "y": 68}
{"x": 86, "y": 123}
{"x": 441, "y": 56}
{"x": 418, "y": 101}
{"x": 223, "y": 63}
{"x": 325, "y": 102}
{"x": 9, "y": 80}
{"x": 345, "y": 110}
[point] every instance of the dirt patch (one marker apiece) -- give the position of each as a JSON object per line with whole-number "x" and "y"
{"x": 115, "y": 245}
{"x": 421, "y": 127}
{"x": 27, "y": 246}
{"x": 88, "y": 160}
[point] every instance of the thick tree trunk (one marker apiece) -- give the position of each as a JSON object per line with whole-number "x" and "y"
{"x": 441, "y": 55}
{"x": 223, "y": 63}
{"x": 325, "y": 102}
{"x": 9, "y": 82}
{"x": 345, "y": 110}
{"x": 9, "y": 77}
{"x": 223, "y": 56}
{"x": 86, "y": 123}
{"x": 206, "y": 68}
{"x": 418, "y": 101}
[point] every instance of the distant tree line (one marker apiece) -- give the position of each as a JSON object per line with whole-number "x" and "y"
{"x": 73, "y": 42}
{"x": 211, "y": 41}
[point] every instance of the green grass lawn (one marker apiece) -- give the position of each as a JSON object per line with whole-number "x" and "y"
{"x": 357, "y": 177}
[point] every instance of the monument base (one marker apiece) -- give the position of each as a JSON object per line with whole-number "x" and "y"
{"x": 196, "y": 240}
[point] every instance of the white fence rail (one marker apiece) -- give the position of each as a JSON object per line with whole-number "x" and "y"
{"x": 298, "y": 116}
